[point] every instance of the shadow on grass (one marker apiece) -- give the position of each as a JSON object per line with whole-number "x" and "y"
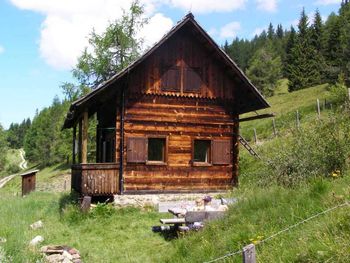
{"x": 62, "y": 166}
{"x": 71, "y": 198}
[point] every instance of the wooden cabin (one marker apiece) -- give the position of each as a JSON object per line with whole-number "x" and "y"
{"x": 169, "y": 122}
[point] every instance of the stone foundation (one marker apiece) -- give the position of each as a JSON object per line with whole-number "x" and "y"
{"x": 154, "y": 199}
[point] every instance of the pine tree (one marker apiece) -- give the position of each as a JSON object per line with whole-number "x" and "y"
{"x": 270, "y": 32}
{"x": 303, "y": 71}
{"x": 317, "y": 46}
{"x": 279, "y": 31}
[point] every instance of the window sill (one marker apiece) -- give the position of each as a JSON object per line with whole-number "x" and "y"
{"x": 155, "y": 163}
{"x": 201, "y": 164}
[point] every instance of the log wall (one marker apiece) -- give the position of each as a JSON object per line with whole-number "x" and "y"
{"x": 180, "y": 121}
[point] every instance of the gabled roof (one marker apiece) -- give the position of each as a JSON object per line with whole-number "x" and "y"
{"x": 259, "y": 102}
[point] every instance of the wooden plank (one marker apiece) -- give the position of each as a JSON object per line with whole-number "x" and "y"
{"x": 173, "y": 221}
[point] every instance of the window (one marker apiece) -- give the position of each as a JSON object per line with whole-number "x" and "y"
{"x": 146, "y": 150}
{"x": 192, "y": 79}
{"x": 201, "y": 151}
{"x": 156, "y": 149}
{"x": 206, "y": 152}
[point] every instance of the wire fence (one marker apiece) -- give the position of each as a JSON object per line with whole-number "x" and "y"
{"x": 231, "y": 254}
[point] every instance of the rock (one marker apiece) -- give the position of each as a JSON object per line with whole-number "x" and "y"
{"x": 73, "y": 251}
{"x": 67, "y": 255}
{"x": 37, "y": 225}
{"x": 76, "y": 256}
{"x": 77, "y": 261}
{"x": 36, "y": 240}
{"x": 66, "y": 260}
{"x": 54, "y": 258}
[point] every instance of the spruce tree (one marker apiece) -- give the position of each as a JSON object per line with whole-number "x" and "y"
{"x": 279, "y": 31}
{"x": 270, "y": 32}
{"x": 304, "y": 71}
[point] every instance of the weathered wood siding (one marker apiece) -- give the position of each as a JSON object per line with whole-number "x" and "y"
{"x": 95, "y": 179}
{"x": 181, "y": 121}
{"x": 183, "y": 51}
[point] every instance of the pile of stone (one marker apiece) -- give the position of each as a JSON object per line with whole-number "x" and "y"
{"x": 61, "y": 254}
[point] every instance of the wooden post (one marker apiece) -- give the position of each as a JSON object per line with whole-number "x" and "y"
{"x": 85, "y": 204}
{"x": 297, "y": 120}
{"x": 274, "y": 127}
{"x": 74, "y": 143}
{"x": 318, "y": 108}
{"x": 80, "y": 138}
{"x": 249, "y": 254}
{"x": 349, "y": 93}
{"x": 84, "y": 137}
{"x": 255, "y": 136}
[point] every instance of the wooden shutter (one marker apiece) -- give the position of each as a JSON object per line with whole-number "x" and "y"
{"x": 221, "y": 151}
{"x": 136, "y": 149}
{"x": 170, "y": 80}
{"x": 192, "y": 80}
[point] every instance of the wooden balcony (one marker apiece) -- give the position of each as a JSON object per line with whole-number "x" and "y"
{"x": 96, "y": 179}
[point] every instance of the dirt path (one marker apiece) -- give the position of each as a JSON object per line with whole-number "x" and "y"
{"x": 3, "y": 181}
{"x": 23, "y": 164}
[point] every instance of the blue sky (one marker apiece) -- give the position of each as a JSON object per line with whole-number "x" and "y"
{"x": 41, "y": 39}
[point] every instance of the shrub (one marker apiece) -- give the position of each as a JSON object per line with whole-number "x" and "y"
{"x": 317, "y": 150}
{"x": 13, "y": 168}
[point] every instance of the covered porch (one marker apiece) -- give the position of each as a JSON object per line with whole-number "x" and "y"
{"x": 95, "y": 168}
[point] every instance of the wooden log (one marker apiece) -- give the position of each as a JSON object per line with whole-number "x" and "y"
{"x": 85, "y": 124}
{"x": 249, "y": 255}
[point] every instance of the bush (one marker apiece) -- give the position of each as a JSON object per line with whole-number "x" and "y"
{"x": 322, "y": 149}
{"x": 13, "y": 168}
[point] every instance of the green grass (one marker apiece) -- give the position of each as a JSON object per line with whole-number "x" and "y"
{"x": 285, "y": 105}
{"x": 122, "y": 236}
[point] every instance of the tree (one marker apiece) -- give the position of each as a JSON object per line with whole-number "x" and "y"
{"x": 270, "y": 31}
{"x": 265, "y": 70}
{"x": 279, "y": 31}
{"x": 111, "y": 51}
{"x": 303, "y": 72}
{"x": 289, "y": 59}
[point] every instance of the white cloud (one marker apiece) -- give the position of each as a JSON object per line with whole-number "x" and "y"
{"x": 2, "y": 49}
{"x": 230, "y": 30}
{"x": 267, "y": 5}
{"x": 208, "y": 6}
{"x": 67, "y": 24}
{"x": 327, "y": 2}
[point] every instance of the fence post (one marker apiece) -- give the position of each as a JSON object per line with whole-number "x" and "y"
{"x": 274, "y": 127}
{"x": 349, "y": 93}
{"x": 255, "y": 136}
{"x": 297, "y": 120}
{"x": 318, "y": 108}
{"x": 249, "y": 254}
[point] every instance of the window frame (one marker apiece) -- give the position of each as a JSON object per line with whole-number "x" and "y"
{"x": 211, "y": 161}
{"x": 165, "y": 161}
